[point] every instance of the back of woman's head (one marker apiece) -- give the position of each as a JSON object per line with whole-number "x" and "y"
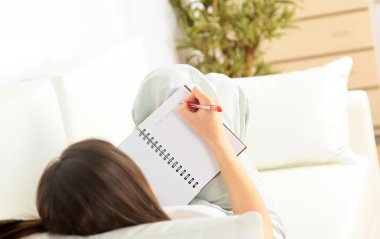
{"x": 92, "y": 188}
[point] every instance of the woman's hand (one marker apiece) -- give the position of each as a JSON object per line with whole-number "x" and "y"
{"x": 242, "y": 192}
{"x": 206, "y": 123}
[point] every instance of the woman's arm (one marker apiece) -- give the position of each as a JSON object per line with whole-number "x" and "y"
{"x": 242, "y": 192}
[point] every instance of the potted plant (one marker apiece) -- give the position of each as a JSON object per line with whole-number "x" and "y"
{"x": 225, "y": 35}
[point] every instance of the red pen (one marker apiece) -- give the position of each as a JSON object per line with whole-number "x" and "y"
{"x": 206, "y": 107}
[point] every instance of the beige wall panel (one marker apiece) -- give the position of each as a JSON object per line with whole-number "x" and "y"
{"x": 311, "y": 8}
{"x": 363, "y": 75}
{"x": 377, "y": 133}
{"x": 320, "y": 36}
{"x": 374, "y": 100}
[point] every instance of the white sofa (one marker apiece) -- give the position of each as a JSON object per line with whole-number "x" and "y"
{"x": 39, "y": 118}
{"x": 333, "y": 200}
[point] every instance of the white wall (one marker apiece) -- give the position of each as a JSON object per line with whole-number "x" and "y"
{"x": 41, "y": 37}
{"x": 156, "y": 23}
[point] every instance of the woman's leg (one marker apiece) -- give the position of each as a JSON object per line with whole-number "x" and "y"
{"x": 161, "y": 83}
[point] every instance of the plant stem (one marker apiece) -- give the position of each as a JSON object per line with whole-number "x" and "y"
{"x": 250, "y": 60}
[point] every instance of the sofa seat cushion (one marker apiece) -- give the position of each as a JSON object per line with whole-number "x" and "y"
{"x": 329, "y": 201}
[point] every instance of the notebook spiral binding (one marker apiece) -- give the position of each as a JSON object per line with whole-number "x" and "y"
{"x": 166, "y": 156}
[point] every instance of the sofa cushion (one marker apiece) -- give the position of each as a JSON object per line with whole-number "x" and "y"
{"x": 298, "y": 118}
{"x": 191, "y": 211}
{"x": 31, "y": 135}
{"x": 246, "y": 226}
{"x": 96, "y": 96}
{"x": 327, "y": 201}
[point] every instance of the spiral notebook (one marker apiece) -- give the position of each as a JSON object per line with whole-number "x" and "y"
{"x": 175, "y": 160}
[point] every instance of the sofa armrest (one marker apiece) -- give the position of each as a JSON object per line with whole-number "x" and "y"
{"x": 362, "y": 137}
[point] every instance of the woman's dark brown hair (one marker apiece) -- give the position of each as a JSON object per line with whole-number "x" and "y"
{"x": 92, "y": 188}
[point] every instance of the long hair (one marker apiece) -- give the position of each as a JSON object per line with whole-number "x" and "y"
{"x": 92, "y": 188}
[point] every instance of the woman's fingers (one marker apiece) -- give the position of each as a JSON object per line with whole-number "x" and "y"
{"x": 191, "y": 98}
{"x": 197, "y": 96}
{"x": 201, "y": 96}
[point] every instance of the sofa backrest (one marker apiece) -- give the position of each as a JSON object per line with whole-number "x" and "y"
{"x": 39, "y": 118}
{"x": 31, "y": 134}
{"x": 96, "y": 97}
{"x": 362, "y": 138}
